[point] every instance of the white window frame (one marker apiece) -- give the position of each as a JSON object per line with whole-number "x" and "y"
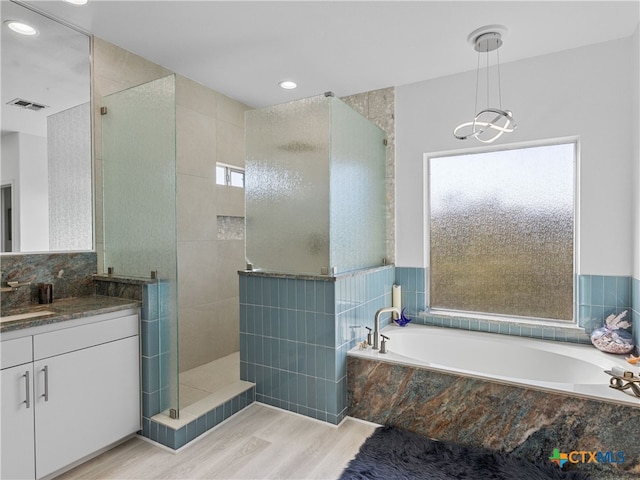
{"x": 576, "y": 232}
{"x": 228, "y": 170}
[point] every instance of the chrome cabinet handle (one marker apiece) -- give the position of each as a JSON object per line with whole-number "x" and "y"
{"x": 46, "y": 383}
{"x": 27, "y": 389}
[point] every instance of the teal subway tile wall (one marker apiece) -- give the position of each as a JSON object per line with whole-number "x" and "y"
{"x": 414, "y": 283}
{"x": 295, "y": 332}
{"x": 600, "y": 296}
{"x": 150, "y": 327}
{"x": 635, "y": 312}
{"x": 597, "y": 297}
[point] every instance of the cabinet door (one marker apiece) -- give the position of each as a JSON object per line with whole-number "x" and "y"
{"x": 17, "y": 423}
{"x": 85, "y": 401}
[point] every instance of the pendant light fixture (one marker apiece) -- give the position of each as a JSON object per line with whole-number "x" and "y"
{"x": 490, "y": 123}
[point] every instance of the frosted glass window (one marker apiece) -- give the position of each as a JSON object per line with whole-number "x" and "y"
{"x": 501, "y": 232}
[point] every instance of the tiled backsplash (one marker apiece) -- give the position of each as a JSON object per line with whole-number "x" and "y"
{"x": 597, "y": 297}
{"x": 70, "y": 274}
{"x": 600, "y": 296}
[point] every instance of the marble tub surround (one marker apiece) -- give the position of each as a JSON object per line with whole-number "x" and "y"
{"x": 471, "y": 411}
{"x": 70, "y": 274}
{"x": 65, "y": 309}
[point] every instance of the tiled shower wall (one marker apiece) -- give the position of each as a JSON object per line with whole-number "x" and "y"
{"x": 210, "y": 129}
{"x": 295, "y": 332}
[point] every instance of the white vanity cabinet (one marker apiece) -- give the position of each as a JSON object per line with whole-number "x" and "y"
{"x": 86, "y": 393}
{"x": 16, "y": 423}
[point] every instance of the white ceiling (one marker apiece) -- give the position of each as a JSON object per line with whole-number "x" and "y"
{"x": 244, "y": 48}
{"x": 51, "y": 69}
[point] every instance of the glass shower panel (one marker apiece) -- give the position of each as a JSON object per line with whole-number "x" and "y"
{"x": 287, "y": 186}
{"x": 139, "y": 206}
{"x": 315, "y": 188}
{"x": 357, "y": 192}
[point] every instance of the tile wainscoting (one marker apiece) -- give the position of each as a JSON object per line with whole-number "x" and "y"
{"x": 597, "y": 297}
{"x": 296, "y": 330}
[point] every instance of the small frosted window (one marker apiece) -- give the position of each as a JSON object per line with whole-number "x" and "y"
{"x": 501, "y": 232}
{"x": 230, "y": 176}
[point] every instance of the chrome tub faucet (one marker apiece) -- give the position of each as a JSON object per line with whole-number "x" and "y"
{"x": 376, "y": 331}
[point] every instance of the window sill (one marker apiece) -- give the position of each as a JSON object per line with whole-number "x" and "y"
{"x": 540, "y": 329}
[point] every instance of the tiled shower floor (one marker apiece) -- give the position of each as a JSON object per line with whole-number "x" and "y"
{"x": 215, "y": 377}
{"x": 209, "y": 394}
{"x": 211, "y": 384}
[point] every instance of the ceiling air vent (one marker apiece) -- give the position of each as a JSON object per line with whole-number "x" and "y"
{"x": 19, "y": 102}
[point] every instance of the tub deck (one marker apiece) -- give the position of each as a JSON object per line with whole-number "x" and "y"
{"x": 530, "y": 421}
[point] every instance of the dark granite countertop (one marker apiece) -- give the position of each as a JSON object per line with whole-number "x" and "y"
{"x": 65, "y": 309}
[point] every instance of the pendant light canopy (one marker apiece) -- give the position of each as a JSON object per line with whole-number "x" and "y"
{"x": 490, "y": 123}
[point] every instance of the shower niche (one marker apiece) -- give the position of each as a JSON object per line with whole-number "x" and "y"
{"x": 315, "y": 188}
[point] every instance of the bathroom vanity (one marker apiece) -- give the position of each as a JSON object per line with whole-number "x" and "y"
{"x": 70, "y": 383}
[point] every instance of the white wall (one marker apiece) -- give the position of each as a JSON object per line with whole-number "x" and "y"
{"x": 635, "y": 95}
{"x": 9, "y": 175}
{"x": 24, "y": 162}
{"x": 583, "y": 92}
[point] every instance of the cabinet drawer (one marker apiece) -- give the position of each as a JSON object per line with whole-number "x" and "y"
{"x": 67, "y": 340}
{"x": 16, "y": 352}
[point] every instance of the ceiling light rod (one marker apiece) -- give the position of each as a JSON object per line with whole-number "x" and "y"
{"x": 490, "y": 123}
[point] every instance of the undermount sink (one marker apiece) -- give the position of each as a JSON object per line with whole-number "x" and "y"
{"x": 22, "y": 316}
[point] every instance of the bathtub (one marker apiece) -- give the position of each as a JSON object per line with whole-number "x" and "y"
{"x": 557, "y": 366}
{"x": 494, "y": 391}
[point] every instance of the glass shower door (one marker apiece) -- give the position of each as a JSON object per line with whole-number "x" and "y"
{"x": 139, "y": 217}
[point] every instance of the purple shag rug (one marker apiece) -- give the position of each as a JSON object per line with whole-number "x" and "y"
{"x": 391, "y": 453}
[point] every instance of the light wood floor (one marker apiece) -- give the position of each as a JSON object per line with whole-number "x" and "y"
{"x": 259, "y": 442}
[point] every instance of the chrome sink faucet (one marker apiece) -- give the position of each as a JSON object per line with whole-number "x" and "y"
{"x": 376, "y": 331}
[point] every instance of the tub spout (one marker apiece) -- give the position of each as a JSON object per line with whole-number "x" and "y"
{"x": 376, "y": 332}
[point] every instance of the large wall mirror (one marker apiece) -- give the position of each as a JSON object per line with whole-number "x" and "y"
{"x": 45, "y": 166}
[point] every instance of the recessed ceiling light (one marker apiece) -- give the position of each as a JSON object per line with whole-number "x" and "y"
{"x": 77, "y": 2}
{"x": 288, "y": 84}
{"x": 21, "y": 28}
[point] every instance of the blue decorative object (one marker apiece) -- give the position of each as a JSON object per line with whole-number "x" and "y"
{"x": 403, "y": 320}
